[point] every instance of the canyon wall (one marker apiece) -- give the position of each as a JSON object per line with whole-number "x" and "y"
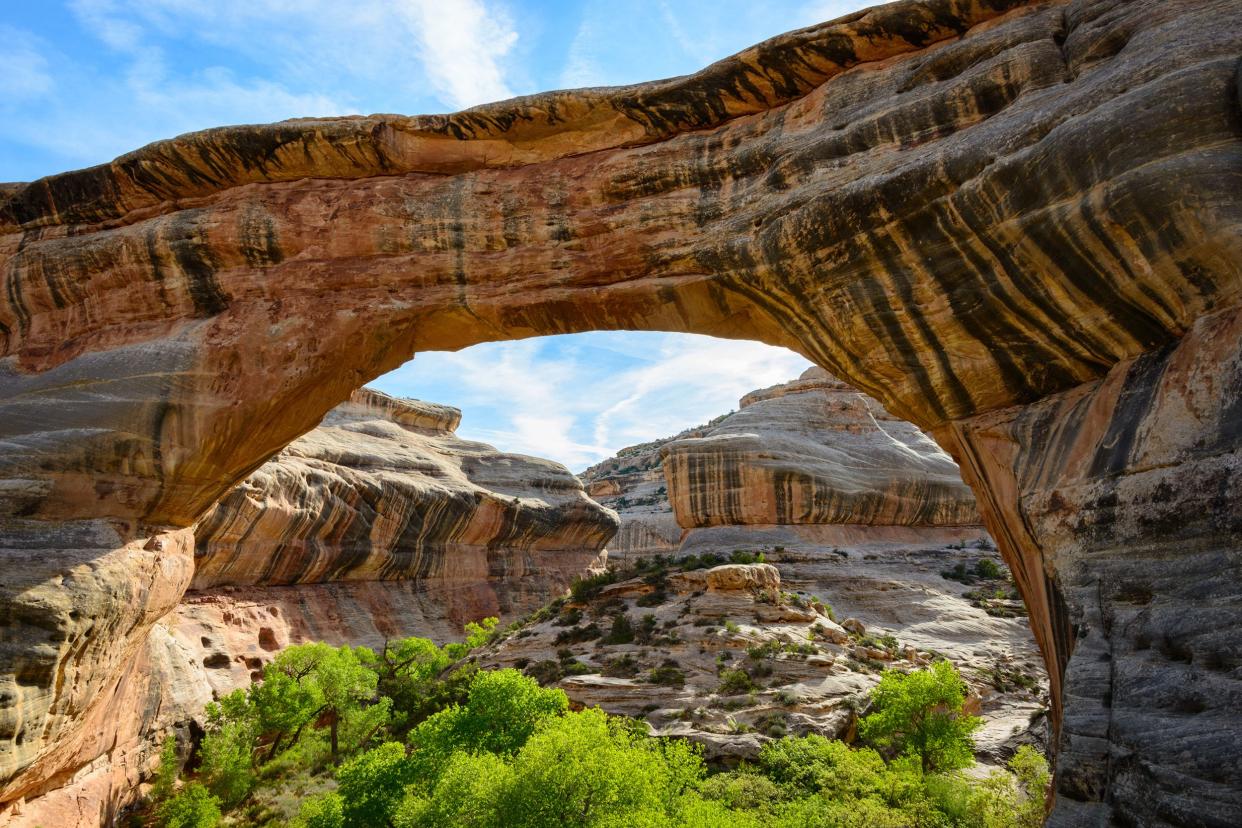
{"x": 632, "y": 484}
{"x": 379, "y": 524}
{"x": 814, "y": 451}
{"x": 1015, "y": 223}
{"x": 384, "y": 490}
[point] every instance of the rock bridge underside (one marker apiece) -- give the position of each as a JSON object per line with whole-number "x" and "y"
{"x": 1017, "y": 224}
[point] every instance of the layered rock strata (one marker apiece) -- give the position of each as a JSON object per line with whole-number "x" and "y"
{"x": 814, "y": 451}
{"x": 384, "y": 490}
{"x": 1015, "y": 223}
{"x": 632, "y": 484}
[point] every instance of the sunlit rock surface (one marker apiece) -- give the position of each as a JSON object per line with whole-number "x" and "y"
{"x": 632, "y": 484}
{"x": 385, "y": 490}
{"x": 814, "y": 451}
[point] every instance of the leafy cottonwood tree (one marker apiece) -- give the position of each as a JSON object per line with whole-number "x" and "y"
{"x": 501, "y": 712}
{"x": 920, "y": 714}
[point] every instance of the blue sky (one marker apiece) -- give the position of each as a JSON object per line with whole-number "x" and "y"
{"x": 83, "y": 81}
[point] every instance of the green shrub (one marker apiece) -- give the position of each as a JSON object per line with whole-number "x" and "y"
{"x": 623, "y": 666}
{"x": 324, "y": 811}
{"x": 576, "y": 635}
{"x": 735, "y": 683}
{"x": 192, "y": 807}
{"x": 584, "y": 589}
{"x": 569, "y": 618}
{"x": 987, "y": 568}
{"x": 667, "y": 674}
{"x": 622, "y": 631}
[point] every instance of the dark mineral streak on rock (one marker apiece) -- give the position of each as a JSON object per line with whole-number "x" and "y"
{"x": 384, "y": 490}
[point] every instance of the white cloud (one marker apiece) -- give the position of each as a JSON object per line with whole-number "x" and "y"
{"x": 462, "y": 43}
{"x": 581, "y": 68}
{"x": 104, "y": 18}
{"x": 712, "y": 375}
{"x": 578, "y": 399}
{"x": 454, "y": 46}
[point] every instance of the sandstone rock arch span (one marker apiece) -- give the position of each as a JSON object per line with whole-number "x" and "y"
{"x": 1018, "y": 224}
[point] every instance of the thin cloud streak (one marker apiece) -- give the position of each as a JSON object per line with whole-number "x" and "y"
{"x": 578, "y": 399}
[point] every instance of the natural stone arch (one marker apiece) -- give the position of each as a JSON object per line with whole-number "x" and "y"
{"x": 1015, "y": 223}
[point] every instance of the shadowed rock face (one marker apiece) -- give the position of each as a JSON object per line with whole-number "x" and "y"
{"x": 1015, "y": 224}
{"x": 814, "y": 451}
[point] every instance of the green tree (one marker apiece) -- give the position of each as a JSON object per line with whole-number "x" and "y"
{"x": 1016, "y": 800}
{"x": 228, "y": 761}
{"x": 166, "y": 776}
{"x": 812, "y": 764}
{"x": 501, "y": 712}
{"x": 587, "y": 769}
{"x": 1034, "y": 780}
{"x": 920, "y": 714}
{"x": 344, "y": 683}
{"x": 192, "y": 807}
{"x": 408, "y": 672}
{"x": 373, "y": 784}
{"x": 477, "y": 634}
{"x": 285, "y": 701}
{"x": 467, "y": 795}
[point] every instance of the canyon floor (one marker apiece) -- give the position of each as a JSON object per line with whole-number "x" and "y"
{"x": 733, "y": 656}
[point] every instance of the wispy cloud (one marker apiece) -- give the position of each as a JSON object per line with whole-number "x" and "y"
{"x": 581, "y": 67}
{"x": 462, "y": 44}
{"x": 163, "y": 67}
{"x": 580, "y": 398}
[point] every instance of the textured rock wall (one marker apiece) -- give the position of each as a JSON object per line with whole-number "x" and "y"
{"x": 1130, "y": 539}
{"x": 90, "y": 679}
{"x": 961, "y": 207}
{"x": 384, "y": 490}
{"x": 814, "y": 451}
{"x": 632, "y": 484}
